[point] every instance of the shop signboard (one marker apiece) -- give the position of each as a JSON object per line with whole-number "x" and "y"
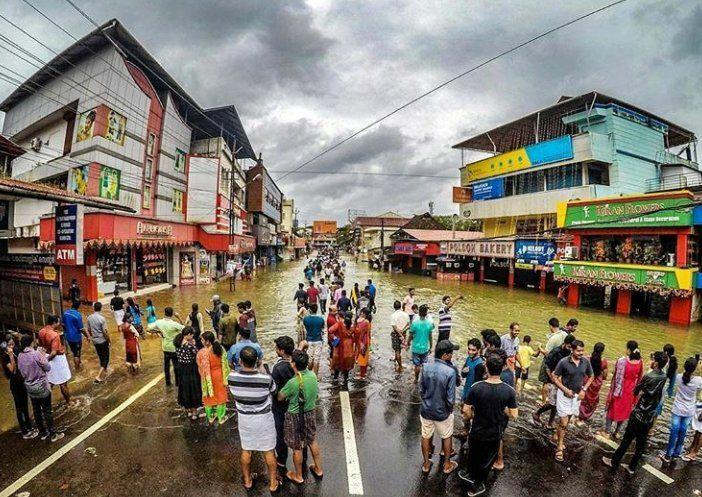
{"x": 404, "y": 248}
{"x": 534, "y": 252}
{"x": 462, "y": 194}
{"x": 29, "y": 268}
{"x": 500, "y": 249}
{"x": 653, "y": 212}
{"x": 486, "y": 190}
{"x": 68, "y": 226}
{"x": 187, "y": 268}
{"x": 248, "y": 244}
{"x": 624, "y": 276}
{"x": 204, "y": 267}
{"x": 146, "y": 229}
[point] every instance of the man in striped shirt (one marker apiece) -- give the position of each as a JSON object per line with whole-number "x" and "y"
{"x": 252, "y": 392}
{"x": 445, "y": 317}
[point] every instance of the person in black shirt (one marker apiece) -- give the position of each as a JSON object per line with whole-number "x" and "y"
{"x": 74, "y": 291}
{"x": 117, "y": 306}
{"x": 550, "y": 363}
{"x": 344, "y": 304}
{"x": 9, "y": 349}
{"x": 300, "y": 295}
{"x": 641, "y": 419}
{"x": 282, "y": 372}
{"x": 490, "y": 405}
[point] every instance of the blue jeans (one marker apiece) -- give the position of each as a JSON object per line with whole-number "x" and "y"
{"x": 678, "y": 430}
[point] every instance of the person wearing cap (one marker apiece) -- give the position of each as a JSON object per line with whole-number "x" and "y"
{"x": 216, "y": 313}
{"x": 438, "y": 391}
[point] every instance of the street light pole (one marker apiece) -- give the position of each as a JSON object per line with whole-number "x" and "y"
{"x": 232, "y": 184}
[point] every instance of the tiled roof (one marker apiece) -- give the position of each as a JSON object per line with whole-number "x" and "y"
{"x": 441, "y": 235}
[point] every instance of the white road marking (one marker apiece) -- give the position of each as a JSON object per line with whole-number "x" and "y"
{"x": 655, "y": 472}
{"x": 353, "y": 468}
{"x": 34, "y": 472}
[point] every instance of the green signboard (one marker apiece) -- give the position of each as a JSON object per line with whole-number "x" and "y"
{"x": 624, "y": 276}
{"x": 637, "y": 213}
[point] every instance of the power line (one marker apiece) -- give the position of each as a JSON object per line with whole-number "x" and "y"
{"x": 446, "y": 83}
{"x": 366, "y": 173}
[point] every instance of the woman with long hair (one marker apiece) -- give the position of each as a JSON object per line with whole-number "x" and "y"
{"x": 197, "y": 323}
{"x": 344, "y": 352}
{"x": 302, "y": 313}
{"x": 150, "y": 312}
{"x": 131, "y": 343}
{"x": 687, "y": 388}
{"x": 214, "y": 368}
{"x": 189, "y": 381}
{"x": 362, "y": 332}
{"x": 628, "y": 371}
{"x": 135, "y": 311}
{"x": 592, "y": 395}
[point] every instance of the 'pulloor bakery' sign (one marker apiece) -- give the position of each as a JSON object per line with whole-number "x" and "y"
{"x": 500, "y": 249}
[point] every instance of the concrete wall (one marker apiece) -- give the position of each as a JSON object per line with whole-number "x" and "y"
{"x": 176, "y": 135}
{"x": 53, "y": 137}
{"x": 202, "y": 190}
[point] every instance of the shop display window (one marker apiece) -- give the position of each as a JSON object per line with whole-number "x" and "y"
{"x": 151, "y": 266}
{"x": 647, "y": 250}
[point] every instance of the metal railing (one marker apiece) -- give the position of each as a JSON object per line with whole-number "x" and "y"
{"x": 676, "y": 182}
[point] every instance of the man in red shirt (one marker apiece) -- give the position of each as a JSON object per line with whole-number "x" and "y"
{"x": 312, "y": 294}
{"x": 50, "y": 340}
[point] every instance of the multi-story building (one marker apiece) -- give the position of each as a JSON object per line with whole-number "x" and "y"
{"x": 372, "y": 233}
{"x": 264, "y": 203}
{"x": 583, "y": 147}
{"x": 323, "y": 233}
{"x": 104, "y": 119}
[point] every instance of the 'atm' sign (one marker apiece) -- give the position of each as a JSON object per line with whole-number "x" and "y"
{"x": 69, "y": 235}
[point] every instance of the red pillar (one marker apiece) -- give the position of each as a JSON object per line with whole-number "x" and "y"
{"x": 624, "y": 302}
{"x": 573, "y": 295}
{"x": 681, "y": 250}
{"x": 91, "y": 286}
{"x": 680, "y": 310}
{"x": 510, "y": 278}
{"x": 482, "y": 270}
{"x": 542, "y": 282}
{"x": 471, "y": 275}
{"x": 132, "y": 258}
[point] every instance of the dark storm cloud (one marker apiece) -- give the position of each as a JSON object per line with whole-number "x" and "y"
{"x": 306, "y": 74}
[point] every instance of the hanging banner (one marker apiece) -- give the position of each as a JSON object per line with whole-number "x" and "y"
{"x": 652, "y": 212}
{"x": 534, "y": 252}
{"x": 68, "y": 225}
{"x": 187, "y": 270}
{"x": 485, "y": 190}
{"x": 204, "y": 267}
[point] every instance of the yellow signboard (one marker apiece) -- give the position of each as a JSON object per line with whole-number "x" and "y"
{"x": 508, "y": 162}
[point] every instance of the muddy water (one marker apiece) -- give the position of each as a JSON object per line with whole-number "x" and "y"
{"x": 483, "y": 306}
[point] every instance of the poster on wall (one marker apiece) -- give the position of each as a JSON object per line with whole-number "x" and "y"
{"x": 187, "y": 269}
{"x": 204, "y": 267}
{"x": 116, "y": 127}
{"x": 86, "y": 123}
{"x": 109, "y": 183}
{"x": 78, "y": 180}
{"x": 180, "y": 160}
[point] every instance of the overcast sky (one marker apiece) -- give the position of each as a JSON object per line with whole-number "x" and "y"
{"x": 305, "y": 74}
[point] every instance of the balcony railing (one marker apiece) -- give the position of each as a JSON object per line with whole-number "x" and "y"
{"x": 676, "y": 182}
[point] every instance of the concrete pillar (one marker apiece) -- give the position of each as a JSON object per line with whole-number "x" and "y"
{"x": 573, "y": 295}
{"x": 623, "y": 302}
{"x": 542, "y": 282}
{"x": 510, "y": 278}
{"x": 481, "y": 278}
{"x": 91, "y": 283}
{"x": 133, "y": 264}
{"x": 680, "y": 310}
{"x": 681, "y": 250}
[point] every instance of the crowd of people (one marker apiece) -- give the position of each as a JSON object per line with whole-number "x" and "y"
{"x": 214, "y": 357}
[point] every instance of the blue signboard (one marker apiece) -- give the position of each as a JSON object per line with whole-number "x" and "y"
{"x": 556, "y": 150}
{"x": 537, "y": 252}
{"x": 492, "y": 188}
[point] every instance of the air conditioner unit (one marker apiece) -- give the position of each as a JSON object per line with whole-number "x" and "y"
{"x": 36, "y": 144}
{"x": 571, "y": 252}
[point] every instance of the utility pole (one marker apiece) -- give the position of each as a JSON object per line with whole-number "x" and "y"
{"x": 232, "y": 184}
{"x": 382, "y": 243}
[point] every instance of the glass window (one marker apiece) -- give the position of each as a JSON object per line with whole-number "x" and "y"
{"x": 529, "y": 183}
{"x": 180, "y": 160}
{"x": 146, "y": 198}
{"x": 151, "y": 145}
{"x": 566, "y": 176}
{"x": 177, "y": 201}
{"x": 597, "y": 174}
{"x": 148, "y": 169}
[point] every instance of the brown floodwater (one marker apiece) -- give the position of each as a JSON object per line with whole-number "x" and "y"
{"x": 484, "y": 306}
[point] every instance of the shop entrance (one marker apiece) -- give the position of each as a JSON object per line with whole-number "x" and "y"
{"x": 592, "y": 296}
{"x": 649, "y": 304}
{"x": 497, "y": 271}
{"x": 527, "y": 278}
{"x": 151, "y": 266}
{"x": 113, "y": 270}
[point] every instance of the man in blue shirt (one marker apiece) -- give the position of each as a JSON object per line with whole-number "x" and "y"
{"x": 372, "y": 290}
{"x": 244, "y": 341}
{"x": 438, "y": 392}
{"x": 314, "y": 328}
{"x": 73, "y": 331}
{"x": 344, "y": 303}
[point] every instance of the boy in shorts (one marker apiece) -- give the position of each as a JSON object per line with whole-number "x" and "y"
{"x": 524, "y": 356}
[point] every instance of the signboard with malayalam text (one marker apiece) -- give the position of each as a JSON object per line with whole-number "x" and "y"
{"x": 654, "y": 212}
{"x": 68, "y": 226}
{"x": 624, "y": 276}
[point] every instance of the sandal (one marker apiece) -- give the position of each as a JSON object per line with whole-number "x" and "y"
{"x": 313, "y": 470}
{"x": 254, "y": 476}
{"x": 296, "y": 482}
{"x": 453, "y": 465}
{"x": 559, "y": 455}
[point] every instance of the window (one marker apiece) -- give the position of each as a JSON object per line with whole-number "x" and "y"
{"x": 151, "y": 145}
{"x": 567, "y": 176}
{"x": 146, "y": 198}
{"x": 148, "y": 169}
{"x": 180, "y": 160}
{"x": 177, "y": 201}
{"x": 597, "y": 174}
{"x": 529, "y": 183}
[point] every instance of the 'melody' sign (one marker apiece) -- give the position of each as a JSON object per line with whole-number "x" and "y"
{"x": 68, "y": 225}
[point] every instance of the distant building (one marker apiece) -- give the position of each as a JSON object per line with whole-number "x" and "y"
{"x": 323, "y": 233}
{"x": 372, "y": 233}
{"x": 264, "y": 203}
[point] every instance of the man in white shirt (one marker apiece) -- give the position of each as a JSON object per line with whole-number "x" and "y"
{"x": 408, "y": 303}
{"x": 323, "y": 295}
{"x": 400, "y": 322}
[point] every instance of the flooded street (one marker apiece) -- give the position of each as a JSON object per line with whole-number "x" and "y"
{"x": 151, "y": 449}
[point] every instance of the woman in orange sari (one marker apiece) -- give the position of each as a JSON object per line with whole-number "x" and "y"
{"x": 214, "y": 369}
{"x": 362, "y": 332}
{"x": 344, "y": 348}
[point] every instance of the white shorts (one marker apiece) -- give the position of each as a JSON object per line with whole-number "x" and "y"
{"x": 315, "y": 351}
{"x": 696, "y": 423}
{"x": 119, "y": 317}
{"x": 565, "y": 406}
{"x": 443, "y": 428}
{"x": 60, "y": 372}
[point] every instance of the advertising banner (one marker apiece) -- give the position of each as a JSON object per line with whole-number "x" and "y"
{"x": 109, "y": 183}
{"x": 116, "y": 127}
{"x": 187, "y": 269}
{"x": 652, "y": 212}
{"x": 86, "y": 123}
{"x": 78, "y": 180}
{"x": 462, "y": 194}
{"x": 485, "y": 190}
{"x": 68, "y": 225}
{"x": 403, "y": 248}
{"x": 29, "y": 268}
{"x": 204, "y": 267}
{"x": 500, "y": 249}
{"x": 630, "y": 277}
{"x": 534, "y": 252}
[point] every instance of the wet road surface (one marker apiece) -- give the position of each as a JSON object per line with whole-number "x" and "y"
{"x": 150, "y": 449}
